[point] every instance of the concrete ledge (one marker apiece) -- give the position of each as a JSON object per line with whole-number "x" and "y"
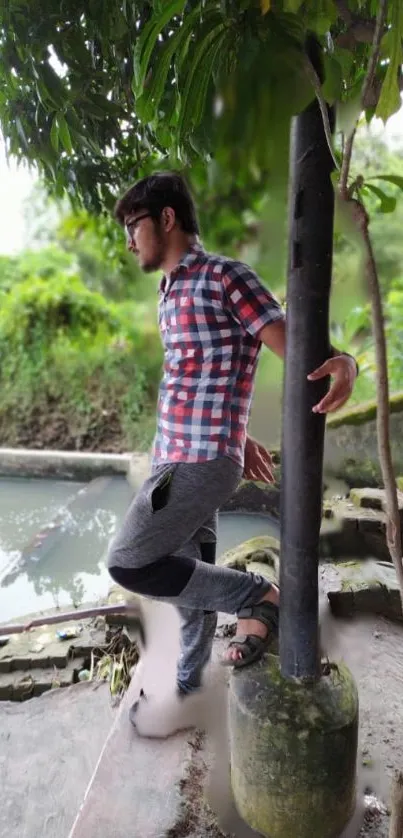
{"x": 135, "y": 789}
{"x": 69, "y": 465}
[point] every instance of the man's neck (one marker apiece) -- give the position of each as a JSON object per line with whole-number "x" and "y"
{"x": 176, "y": 252}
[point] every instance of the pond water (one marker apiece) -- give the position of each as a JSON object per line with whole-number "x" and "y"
{"x": 54, "y": 537}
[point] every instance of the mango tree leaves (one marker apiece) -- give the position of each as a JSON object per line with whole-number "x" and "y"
{"x": 389, "y": 101}
{"x": 94, "y": 93}
{"x": 387, "y": 202}
{"x": 396, "y": 180}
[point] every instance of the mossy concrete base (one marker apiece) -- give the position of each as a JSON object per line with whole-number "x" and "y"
{"x": 351, "y": 450}
{"x": 293, "y": 751}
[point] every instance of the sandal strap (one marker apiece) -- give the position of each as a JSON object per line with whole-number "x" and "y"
{"x": 266, "y": 612}
{"x": 253, "y": 641}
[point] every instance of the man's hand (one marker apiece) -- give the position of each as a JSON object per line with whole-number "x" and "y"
{"x": 258, "y": 463}
{"x": 343, "y": 370}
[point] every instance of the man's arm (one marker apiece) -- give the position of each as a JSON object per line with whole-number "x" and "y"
{"x": 340, "y": 366}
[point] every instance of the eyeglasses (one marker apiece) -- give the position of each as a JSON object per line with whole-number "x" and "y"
{"x": 131, "y": 227}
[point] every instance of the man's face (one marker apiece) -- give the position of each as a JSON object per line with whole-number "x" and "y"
{"x": 145, "y": 239}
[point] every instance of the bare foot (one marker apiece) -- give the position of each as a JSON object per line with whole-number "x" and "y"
{"x": 256, "y": 627}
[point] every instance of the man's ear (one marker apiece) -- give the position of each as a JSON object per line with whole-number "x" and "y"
{"x": 168, "y": 218}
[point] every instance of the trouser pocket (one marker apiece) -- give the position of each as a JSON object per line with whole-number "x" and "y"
{"x": 161, "y": 490}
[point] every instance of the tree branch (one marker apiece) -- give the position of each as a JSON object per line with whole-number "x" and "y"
{"x": 396, "y": 807}
{"x": 393, "y": 525}
{"x": 344, "y": 12}
{"x": 374, "y": 91}
{"x": 359, "y": 30}
{"x": 376, "y": 48}
{"x": 315, "y": 81}
{"x": 368, "y": 81}
{"x": 346, "y": 164}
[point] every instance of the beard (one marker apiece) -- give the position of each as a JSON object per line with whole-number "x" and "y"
{"x": 154, "y": 260}
{"x": 150, "y": 266}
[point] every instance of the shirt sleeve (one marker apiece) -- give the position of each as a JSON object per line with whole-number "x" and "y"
{"x": 247, "y": 300}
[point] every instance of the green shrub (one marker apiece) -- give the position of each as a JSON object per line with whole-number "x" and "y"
{"x": 83, "y": 369}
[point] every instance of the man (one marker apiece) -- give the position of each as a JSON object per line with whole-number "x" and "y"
{"x": 214, "y": 315}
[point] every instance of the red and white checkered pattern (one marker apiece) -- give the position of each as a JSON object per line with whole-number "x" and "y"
{"x": 211, "y": 311}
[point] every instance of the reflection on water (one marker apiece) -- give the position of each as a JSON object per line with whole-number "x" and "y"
{"x": 25, "y": 506}
{"x": 65, "y": 565}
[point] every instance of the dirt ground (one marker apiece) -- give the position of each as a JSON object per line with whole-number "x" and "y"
{"x": 373, "y": 649}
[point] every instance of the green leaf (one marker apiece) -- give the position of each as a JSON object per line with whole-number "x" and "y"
{"x": 54, "y": 134}
{"x": 52, "y": 84}
{"x": 147, "y": 40}
{"x": 205, "y": 80}
{"x": 21, "y": 133}
{"x": 200, "y": 68}
{"x": 108, "y": 107}
{"x": 389, "y": 100}
{"x": 64, "y": 134}
{"x": 292, "y": 5}
{"x": 388, "y": 204}
{"x": 356, "y": 320}
{"x": 397, "y": 180}
{"x": 147, "y": 104}
{"x": 333, "y": 85}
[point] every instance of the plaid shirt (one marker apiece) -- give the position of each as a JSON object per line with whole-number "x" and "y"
{"x": 211, "y": 310}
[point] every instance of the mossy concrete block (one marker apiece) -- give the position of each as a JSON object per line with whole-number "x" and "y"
{"x": 20, "y": 686}
{"x": 293, "y": 751}
{"x": 267, "y": 571}
{"x": 262, "y": 548}
{"x": 355, "y": 528}
{"x": 351, "y": 451}
{"x": 6, "y": 688}
{"x": 118, "y": 596}
{"x": 366, "y": 588}
{"x": 37, "y": 648}
{"x": 255, "y": 496}
{"x": 368, "y": 498}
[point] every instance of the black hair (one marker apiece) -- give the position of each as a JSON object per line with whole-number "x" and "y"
{"x": 153, "y": 193}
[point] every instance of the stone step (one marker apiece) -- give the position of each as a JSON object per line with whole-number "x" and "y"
{"x": 21, "y": 686}
{"x": 366, "y": 587}
{"x": 41, "y": 649}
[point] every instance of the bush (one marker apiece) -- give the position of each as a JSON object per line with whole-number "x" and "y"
{"x": 77, "y": 371}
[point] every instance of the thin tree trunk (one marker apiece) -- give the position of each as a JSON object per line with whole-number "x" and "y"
{"x": 396, "y": 807}
{"x": 393, "y": 524}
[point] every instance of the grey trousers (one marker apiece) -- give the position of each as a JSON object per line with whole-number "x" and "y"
{"x": 166, "y": 550}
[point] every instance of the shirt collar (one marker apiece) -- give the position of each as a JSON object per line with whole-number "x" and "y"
{"x": 191, "y": 256}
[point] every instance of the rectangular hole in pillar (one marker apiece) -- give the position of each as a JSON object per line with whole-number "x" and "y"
{"x": 298, "y": 203}
{"x": 296, "y": 255}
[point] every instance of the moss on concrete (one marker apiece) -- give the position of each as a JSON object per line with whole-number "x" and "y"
{"x": 265, "y": 570}
{"x": 364, "y": 412}
{"x": 262, "y": 548}
{"x": 368, "y": 498}
{"x": 254, "y": 496}
{"x": 293, "y": 751}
